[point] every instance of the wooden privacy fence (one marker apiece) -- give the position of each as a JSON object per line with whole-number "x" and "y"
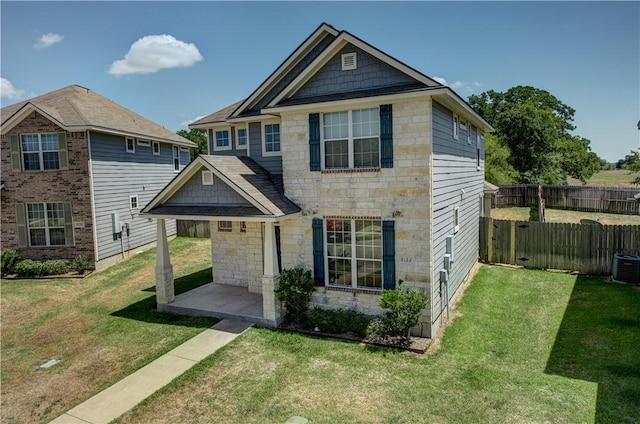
{"x": 584, "y": 248}
{"x": 193, "y": 228}
{"x": 577, "y": 198}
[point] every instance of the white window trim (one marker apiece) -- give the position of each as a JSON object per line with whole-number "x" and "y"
{"x": 46, "y": 226}
{"x": 246, "y": 146}
{"x": 40, "y": 152}
{"x": 263, "y": 126}
{"x": 350, "y": 140}
{"x": 131, "y": 200}
{"x": 175, "y": 149}
{"x": 469, "y": 134}
{"x": 153, "y": 148}
{"x": 456, "y": 219}
{"x": 133, "y": 144}
{"x": 354, "y": 275}
{"x": 456, "y": 130}
{"x": 463, "y": 124}
{"x": 207, "y": 178}
{"x": 479, "y": 138}
{"x": 217, "y": 148}
{"x": 225, "y": 229}
{"x": 145, "y": 143}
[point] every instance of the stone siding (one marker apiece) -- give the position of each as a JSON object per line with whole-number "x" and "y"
{"x": 72, "y": 186}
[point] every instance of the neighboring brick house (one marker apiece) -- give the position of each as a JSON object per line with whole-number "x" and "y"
{"x": 345, "y": 161}
{"x": 73, "y": 162}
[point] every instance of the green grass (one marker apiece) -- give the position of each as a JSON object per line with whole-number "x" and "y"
{"x": 608, "y": 178}
{"x": 528, "y": 347}
{"x": 102, "y": 327}
{"x": 560, "y": 215}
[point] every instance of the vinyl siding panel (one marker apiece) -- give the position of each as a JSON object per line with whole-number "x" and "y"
{"x": 194, "y": 193}
{"x": 456, "y": 182}
{"x": 233, "y": 151}
{"x": 273, "y": 164}
{"x": 118, "y": 175}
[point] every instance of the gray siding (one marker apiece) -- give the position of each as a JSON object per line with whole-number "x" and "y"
{"x": 370, "y": 73}
{"x": 233, "y": 151}
{"x": 118, "y": 175}
{"x": 273, "y": 164}
{"x": 194, "y": 193}
{"x": 456, "y": 182}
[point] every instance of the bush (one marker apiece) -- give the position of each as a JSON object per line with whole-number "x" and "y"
{"x": 404, "y": 308}
{"x": 9, "y": 260}
{"x": 55, "y": 267}
{"x": 29, "y": 268}
{"x": 81, "y": 264}
{"x": 338, "y": 321}
{"x": 296, "y": 287}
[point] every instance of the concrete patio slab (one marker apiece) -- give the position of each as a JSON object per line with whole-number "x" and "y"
{"x": 127, "y": 393}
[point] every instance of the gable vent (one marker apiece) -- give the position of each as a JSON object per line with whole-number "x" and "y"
{"x": 207, "y": 178}
{"x": 349, "y": 61}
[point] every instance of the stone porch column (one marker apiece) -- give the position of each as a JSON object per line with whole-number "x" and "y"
{"x": 164, "y": 269}
{"x": 272, "y": 310}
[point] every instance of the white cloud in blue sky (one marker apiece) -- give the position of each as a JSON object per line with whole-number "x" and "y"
{"x": 188, "y": 121}
{"x": 8, "y": 91}
{"x": 47, "y": 40}
{"x": 465, "y": 87}
{"x": 155, "y": 52}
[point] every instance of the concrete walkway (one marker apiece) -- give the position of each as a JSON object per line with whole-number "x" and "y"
{"x": 127, "y": 393}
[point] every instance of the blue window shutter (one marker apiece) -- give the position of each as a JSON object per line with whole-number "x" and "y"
{"x": 388, "y": 254}
{"x": 318, "y": 251}
{"x": 386, "y": 136}
{"x": 314, "y": 142}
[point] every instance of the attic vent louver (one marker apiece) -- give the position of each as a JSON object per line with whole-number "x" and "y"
{"x": 207, "y": 178}
{"x": 349, "y": 61}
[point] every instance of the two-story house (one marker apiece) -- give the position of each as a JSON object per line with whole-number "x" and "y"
{"x": 345, "y": 161}
{"x": 77, "y": 169}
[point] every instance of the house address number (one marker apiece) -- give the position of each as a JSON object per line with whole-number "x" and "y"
{"x": 406, "y": 260}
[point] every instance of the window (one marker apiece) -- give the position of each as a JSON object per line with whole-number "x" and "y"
{"x": 469, "y": 134}
{"x": 40, "y": 152}
{"x": 176, "y": 158}
{"x": 463, "y": 124}
{"x": 456, "y": 219}
{"x": 156, "y": 148}
{"x": 133, "y": 202}
{"x": 455, "y": 126}
{"x": 349, "y": 61}
{"x": 131, "y": 145}
{"x": 145, "y": 143}
{"x": 243, "y": 227}
{"x": 354, "y": 253}
{"x": 241, "y": 138}
{"x": 222, "y": 141}
{"x": 271, "y": 143}
{"x": 46, "y": 224}
{"x": 479, "y": 138}
{"x": 351, "y": 139}
{"x": 225, "y": 226}
{"x": 207, "y": 178}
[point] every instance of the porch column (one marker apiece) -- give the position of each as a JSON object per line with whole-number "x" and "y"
{"x": 164, "y": 269}
{"x": 272, "y": 310}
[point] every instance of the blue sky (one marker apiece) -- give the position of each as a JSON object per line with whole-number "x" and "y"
{"x": 214, "y": 53}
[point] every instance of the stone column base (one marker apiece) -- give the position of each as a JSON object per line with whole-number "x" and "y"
{"x": 271, "y": 306}
{"x": 165, "y": 292}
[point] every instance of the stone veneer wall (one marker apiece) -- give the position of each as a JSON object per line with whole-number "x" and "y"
{"x": 401, "y": 193}
{"x": 70, "y": 185}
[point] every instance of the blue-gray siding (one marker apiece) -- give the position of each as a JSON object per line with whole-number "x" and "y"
{"x": 233, "y": 151}
{"x": 193, "y": 193}
{"x": 118, "y": 175}
{"x": 370, "y": 73}
{"x": 273, "y": 164}
{"x": 456, "y": 182}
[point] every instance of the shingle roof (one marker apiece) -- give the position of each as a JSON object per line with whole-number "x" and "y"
{"x": 76, "y": 107}
{"x": 218, "y": 116}
{"x": 206, "y": 211}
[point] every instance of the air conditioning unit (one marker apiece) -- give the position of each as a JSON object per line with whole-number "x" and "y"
{"x": 626, "y": 269}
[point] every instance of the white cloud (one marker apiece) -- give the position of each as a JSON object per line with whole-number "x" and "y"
{"x": 463, "y": 86}
{"x": 8, "y": 91}
{"x": 155, "y": 52}
{"x": 47, "y": 40}
{"x": 187, "y": 122}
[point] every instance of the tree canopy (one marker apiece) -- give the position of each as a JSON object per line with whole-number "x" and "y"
{"x": 197, "y": 136}
{"x": 532, "y": 142}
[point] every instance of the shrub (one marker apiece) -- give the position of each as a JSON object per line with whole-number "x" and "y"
{"x": 81, "y": 264}
{"x": 55, "y": 267}
{"x": 338, "y": 321}
{"x": 29, "y": 268}
{"x": 404, "y": 308}
{"x": 296, "y": 287}
{"x": 9, "y": 260}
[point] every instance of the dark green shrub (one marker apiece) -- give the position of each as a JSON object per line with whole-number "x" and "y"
{"x": 338, "y": 321}
{"x": 29, "y": 268}
{"x": 404, "y": 308}
{"x": 81, "y": 264}
{"x": 55, "y": 267}
{"x": 9, "y": 260}
{"x": 295, "y": 289}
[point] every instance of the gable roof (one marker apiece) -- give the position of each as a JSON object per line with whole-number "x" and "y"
{"x": 216, "y": 117}
{"x": 76, "y": 108}
{"x": 243, "y": 175}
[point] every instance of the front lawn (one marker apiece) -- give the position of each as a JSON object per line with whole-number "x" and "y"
{"x": 561, "y": 215}
{"x": 101, "y": 328}
{"x": 528, "y": 347}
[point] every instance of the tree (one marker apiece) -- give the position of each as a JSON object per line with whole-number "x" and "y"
{"x": 633, "y": 165}
{"x": 534, "y": 126}
{"x": 197, "y": 136}
{"x": 497, "y": 161}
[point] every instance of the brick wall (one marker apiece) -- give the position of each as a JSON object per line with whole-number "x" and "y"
{"x": 48, "y": 186}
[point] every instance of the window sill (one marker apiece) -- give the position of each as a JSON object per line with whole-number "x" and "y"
{"x": 349, "y": 171}
{"x": 354, "y": 290}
